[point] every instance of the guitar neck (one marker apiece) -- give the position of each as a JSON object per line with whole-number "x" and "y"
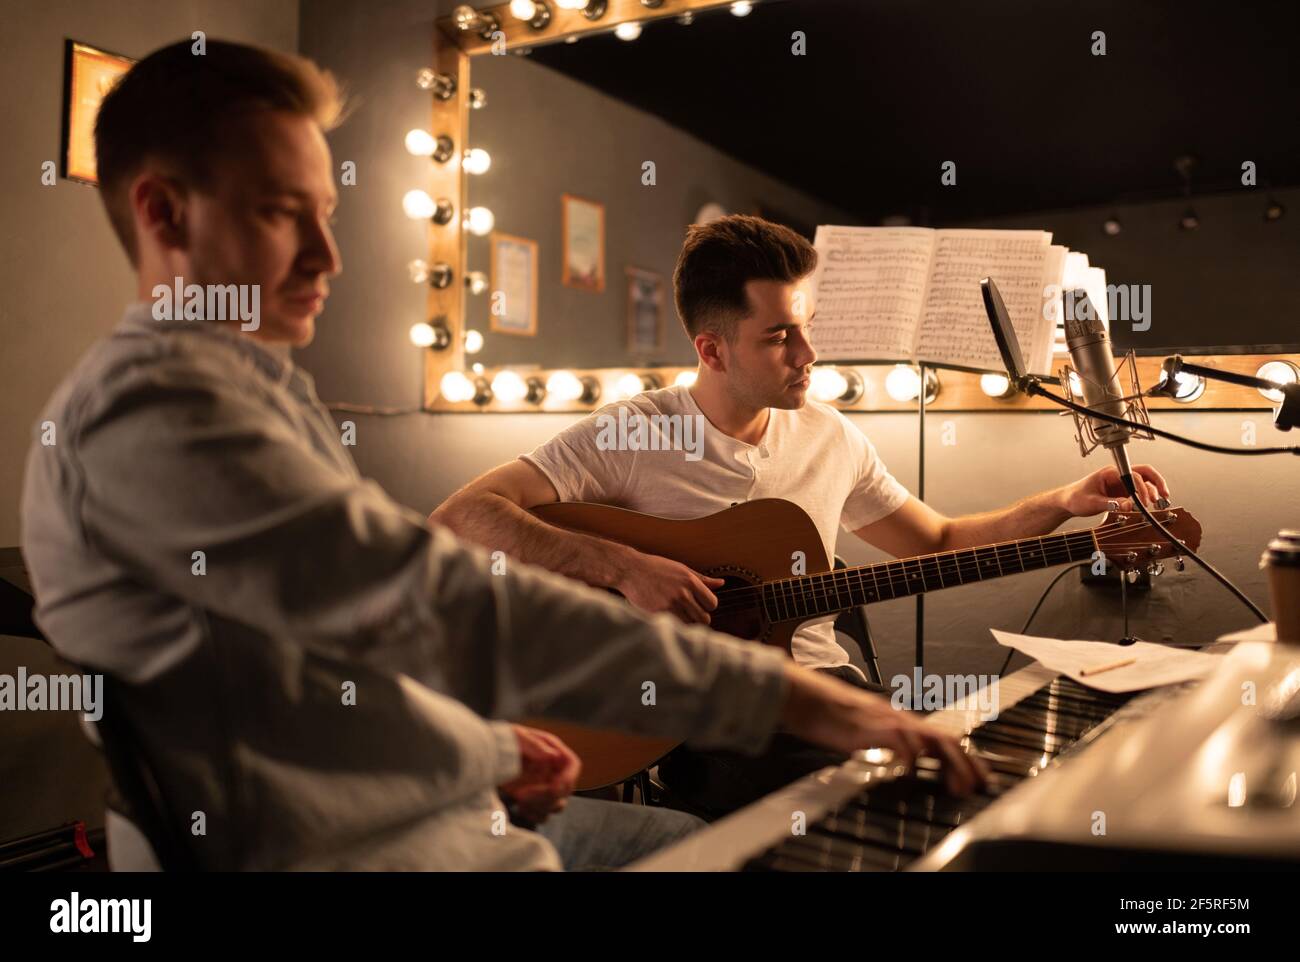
{"x": 810, "y": 596}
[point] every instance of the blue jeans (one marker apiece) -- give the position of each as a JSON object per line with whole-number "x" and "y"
{"x": 597, "y": 836}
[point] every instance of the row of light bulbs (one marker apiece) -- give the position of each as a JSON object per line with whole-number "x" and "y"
{"x": 829, "y": 384}
{"x": 417, "y": 204}
{"x": 537, "y": 15}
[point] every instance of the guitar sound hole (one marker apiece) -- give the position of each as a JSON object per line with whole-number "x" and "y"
{"x": 740, "y": 609}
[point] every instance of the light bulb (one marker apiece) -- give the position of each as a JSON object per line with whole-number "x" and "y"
{"x": 477, "y": 281}
{"x": 422, "y": 334}
{"x": 473, "y": 342}
{"x": 685, "y": 379}
{"x": 903, "y": 383}
{"x": 523, "y": 9}
{"x": 1282, "y": 372}
{"x": 629, "y": 385}
{"x": 995, "y": 385}
{"x": 456, "y": 386}
{"x": 742, "y": 8}
{"x": 828, "y": 383}
{"x": 1187, "y": 387}
{"x": 508, "y": 386}
{"x": 418, "y": 270}
{"x": 425, "y": 78}
{"x": 571, "y": 4}
{"x": 477, "y": 161}
{"x": 420, "y": 142}
{"x": 628, "y": 30}
{"x": 564, "y": 386}
{"x": 480, "y": 221}
{"x": 418, "y": 205}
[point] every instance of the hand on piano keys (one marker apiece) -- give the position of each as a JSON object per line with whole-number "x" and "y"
{"x": 840, "y": 717}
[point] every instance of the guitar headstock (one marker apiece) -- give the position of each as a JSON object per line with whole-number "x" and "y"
{"x": 1128, "y": 539}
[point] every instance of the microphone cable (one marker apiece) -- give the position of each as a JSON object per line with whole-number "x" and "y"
{"x": 1127, "y": 479}
{"x": 1033, "y": 388}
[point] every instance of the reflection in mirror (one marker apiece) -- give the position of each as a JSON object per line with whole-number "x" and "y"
{"x": 605, "y": 191}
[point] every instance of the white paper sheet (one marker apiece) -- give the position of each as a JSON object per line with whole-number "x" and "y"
{"x": 1155, "y": 665}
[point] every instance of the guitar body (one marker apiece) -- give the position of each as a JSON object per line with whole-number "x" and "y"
{"x": 745, "y": 545}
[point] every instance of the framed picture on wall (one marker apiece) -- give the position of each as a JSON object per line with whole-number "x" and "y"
{"x": 88, "y": 74}
{"x": 583, "y": 229}
{"x": 645, "y": 311}
{"x": 513, "y": 303}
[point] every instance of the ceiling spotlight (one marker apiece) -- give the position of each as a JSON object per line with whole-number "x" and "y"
{"x": 741, "y": 8}
{"x": 1273, "y": 211}
{"x": 1189, "y": 220}
{"x": 1111, "y": 226}
{"x": 628, "y": 30}
{"x": 1279, "y": 372}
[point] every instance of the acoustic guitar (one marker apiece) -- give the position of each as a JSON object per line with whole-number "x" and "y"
{"x": 753, "y": 547}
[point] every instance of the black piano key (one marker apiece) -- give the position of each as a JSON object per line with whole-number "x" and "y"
{"x": 882, "y": 831}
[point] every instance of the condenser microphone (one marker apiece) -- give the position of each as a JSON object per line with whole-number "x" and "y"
{"x": 1090, "y": 354}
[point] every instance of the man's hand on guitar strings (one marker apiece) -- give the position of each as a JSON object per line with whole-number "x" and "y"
{"x": 653, "y": 584}
{"x": 838, "y": 716}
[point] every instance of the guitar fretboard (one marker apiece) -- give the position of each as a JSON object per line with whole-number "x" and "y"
{"x": 810, "y": 596}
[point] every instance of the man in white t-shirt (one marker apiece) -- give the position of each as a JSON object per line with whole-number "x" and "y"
{"x": 744, "y": 430}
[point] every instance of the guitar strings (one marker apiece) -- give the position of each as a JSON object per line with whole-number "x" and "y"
{"x": 799, "y": 589}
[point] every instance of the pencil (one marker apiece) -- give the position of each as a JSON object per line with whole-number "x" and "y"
{"x": 1114, "y": 664}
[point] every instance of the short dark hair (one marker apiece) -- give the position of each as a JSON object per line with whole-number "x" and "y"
{"x": 720, "y": 256}
{"x": 171, "y": 105}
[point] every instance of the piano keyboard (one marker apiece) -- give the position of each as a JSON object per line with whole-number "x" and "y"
{"x": 1185, "y": 777}
{"x": 891, "y": 823}
{"x": 868, "y": 816}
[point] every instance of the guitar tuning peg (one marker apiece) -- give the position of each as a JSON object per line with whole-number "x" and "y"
{"x": 1155, "y": 568}
{"x": 1179, "y": 564}
{"x": 1132, "y": 575}
{"x": 1162, "y": 504}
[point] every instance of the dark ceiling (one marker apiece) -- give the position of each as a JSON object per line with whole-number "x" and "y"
{"x": 1007, "y": 89}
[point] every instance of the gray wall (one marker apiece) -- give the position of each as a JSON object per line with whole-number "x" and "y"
{"x": 65, "y": 282}
{"x": 549, "y": 134}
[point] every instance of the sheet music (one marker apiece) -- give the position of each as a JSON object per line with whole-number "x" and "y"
{"x": 871, "y": 284}
{"x": 954, "y": 327}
